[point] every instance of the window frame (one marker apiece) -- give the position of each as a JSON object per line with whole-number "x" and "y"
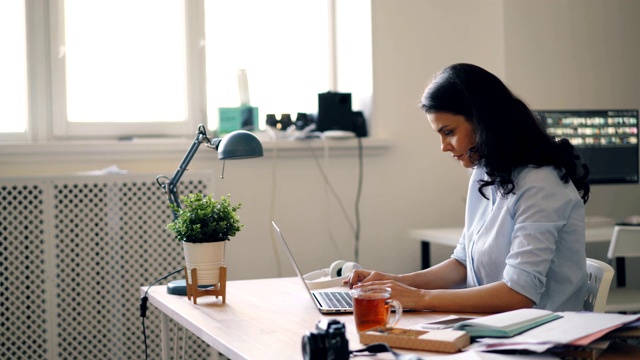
{"x": 24, "y": 136}
{"x": 46, "y": 121}
{"x": 195, "y": 86}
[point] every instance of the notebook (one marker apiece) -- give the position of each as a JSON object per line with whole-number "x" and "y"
{"x": 328, "y": 301}
{"x": 506, "y": 324}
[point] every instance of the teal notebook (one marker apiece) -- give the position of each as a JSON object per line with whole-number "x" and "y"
{"x": 506, "y": 324}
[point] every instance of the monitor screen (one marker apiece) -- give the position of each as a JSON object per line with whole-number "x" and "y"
{"x": 607, "y": 140}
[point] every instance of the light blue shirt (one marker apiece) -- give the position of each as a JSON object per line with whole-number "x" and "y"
{"x": 533, "y": 239}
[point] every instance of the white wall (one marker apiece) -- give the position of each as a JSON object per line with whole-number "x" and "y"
{"x": 410, "y": 183}
{"x": 578, "y": 55}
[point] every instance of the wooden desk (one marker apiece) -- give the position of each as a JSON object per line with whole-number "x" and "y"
{"x": 451, "y": 236}
{"x": 252, "y": 324}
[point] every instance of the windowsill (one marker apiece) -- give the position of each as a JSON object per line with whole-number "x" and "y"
{"x": 161, "y": 148}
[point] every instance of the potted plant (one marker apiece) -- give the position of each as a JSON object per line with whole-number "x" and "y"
{"x": 203, "y": 225}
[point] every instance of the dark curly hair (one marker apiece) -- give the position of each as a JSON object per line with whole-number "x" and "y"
{"x": 508, "y": 135}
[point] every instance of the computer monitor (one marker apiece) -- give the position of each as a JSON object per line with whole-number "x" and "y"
{"x": 607, "y": 140}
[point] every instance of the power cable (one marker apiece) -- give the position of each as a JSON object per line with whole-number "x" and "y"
{"x": 143, "y": 308}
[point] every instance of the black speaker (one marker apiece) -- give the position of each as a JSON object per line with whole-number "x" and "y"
{"x": 359, "y": 124}
{"x": 334, "y": 113}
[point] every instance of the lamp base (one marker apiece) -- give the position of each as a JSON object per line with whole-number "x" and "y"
{"x": 177, "y": 287}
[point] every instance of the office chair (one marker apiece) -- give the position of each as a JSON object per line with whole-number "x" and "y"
{"x": 599, "y": 276}
{"x": 625, "y": 242}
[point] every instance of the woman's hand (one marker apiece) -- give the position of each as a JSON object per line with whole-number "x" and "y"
{"x": 360, "y": 276}
{"x": 409, "y": 297}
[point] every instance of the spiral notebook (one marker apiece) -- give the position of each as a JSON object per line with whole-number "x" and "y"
{"x": 327, "y": 301}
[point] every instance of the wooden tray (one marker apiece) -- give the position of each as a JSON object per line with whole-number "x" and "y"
{"x": 448, "y": 340}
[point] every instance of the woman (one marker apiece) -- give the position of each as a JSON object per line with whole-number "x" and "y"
{"x": 523, "y": 243}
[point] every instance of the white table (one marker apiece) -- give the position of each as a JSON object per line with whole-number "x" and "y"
{"x": 450, "y": 236}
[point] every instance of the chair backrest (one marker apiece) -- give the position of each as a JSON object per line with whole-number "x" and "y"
{"x": 625, "y": 242}
{"x": 599, "y": 276}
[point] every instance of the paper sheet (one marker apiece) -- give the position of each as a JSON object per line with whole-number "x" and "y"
{"x": 109, "y": 170}
{"x": 476, "y": 355}
{"x": 571, "y": 327}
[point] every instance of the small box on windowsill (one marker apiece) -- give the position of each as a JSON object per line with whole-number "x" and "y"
{"x": 237, "y": 118}
{"x": 448, "y": 341}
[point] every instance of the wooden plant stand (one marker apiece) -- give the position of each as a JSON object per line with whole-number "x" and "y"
{"x": 194, "y": 292}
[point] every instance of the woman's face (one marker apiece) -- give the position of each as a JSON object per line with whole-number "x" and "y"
{"x": 456, "y": 135}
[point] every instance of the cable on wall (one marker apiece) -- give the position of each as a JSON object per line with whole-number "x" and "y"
{"x": 356, "y": 229}
{"x": 272, "y": 205}
{"x": 356, "y": 250}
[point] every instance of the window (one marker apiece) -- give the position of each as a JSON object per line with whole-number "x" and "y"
{"x": 143, "y": 57}
{"x": 288, "y": 52}
{"x": 13, "y": 72}
{"x": 121, "y": 68}
{"x": 283, "y": 45}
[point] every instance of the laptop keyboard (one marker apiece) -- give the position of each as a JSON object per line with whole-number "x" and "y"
{"x": 337, "y": 299}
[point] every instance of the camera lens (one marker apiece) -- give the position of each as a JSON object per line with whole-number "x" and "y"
{"x": 313, "y": 347}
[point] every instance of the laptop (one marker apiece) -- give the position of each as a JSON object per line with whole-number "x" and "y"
{"x": 329, "y": 301}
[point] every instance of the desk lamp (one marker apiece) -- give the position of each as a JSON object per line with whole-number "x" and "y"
{"x": 238, "y": 144}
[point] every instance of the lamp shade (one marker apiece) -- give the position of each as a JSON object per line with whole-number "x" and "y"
{"x": 239, "y": 144}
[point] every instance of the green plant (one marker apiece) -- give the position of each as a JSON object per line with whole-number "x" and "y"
{"x": 202, "y": 219}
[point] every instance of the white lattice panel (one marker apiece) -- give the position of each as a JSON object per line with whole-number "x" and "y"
{"x": 74, "y": 253}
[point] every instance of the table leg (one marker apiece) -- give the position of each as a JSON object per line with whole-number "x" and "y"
{"x": 425, "y": 250}
{"x": 164, "y": 333}
{"x": 621, "y": 279}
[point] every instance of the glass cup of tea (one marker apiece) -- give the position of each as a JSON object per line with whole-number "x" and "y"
{"x": 372, "y": 308}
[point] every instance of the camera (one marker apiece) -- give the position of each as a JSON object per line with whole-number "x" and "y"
{"x": 328, "y": 342}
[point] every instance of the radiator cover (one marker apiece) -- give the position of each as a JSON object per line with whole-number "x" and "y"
{"x": 75, "y": 251}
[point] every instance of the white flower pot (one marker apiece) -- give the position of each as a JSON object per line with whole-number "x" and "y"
{"x": 207, "y": 258}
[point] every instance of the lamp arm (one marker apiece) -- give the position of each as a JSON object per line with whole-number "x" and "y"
{"x": 170, "y": 187}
